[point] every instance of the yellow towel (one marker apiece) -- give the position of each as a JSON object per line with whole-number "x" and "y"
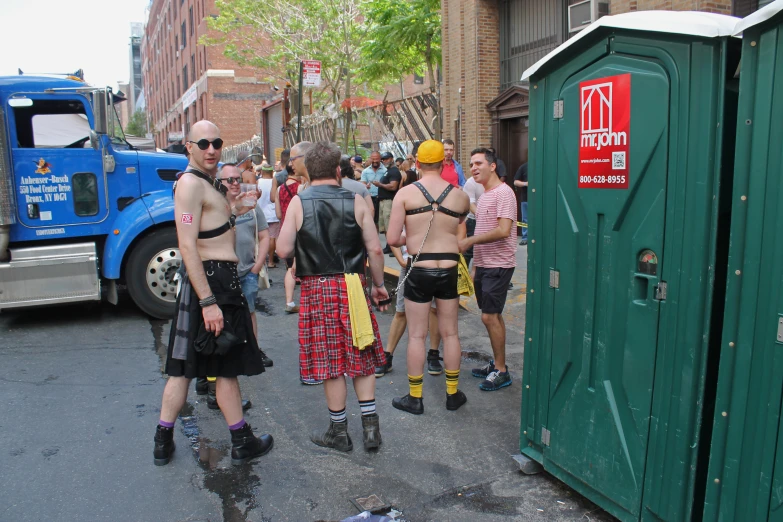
{"x": 361, "y": 326}
{"x": 464, "y": 282}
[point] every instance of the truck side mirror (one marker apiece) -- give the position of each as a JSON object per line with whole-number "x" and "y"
{"x": 99, "y": 112}
{"x": 94, "y": 141}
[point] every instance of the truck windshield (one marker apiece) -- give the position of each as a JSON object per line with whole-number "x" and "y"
{"x": 116, "y": 134}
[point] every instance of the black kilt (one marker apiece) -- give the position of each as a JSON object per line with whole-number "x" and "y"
{"x": 244, "y": 359}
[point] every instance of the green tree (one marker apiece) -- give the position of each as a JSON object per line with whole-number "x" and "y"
{"x": 137, "y": 124}
{"x": 276, "y": 36}
{"x": 404, "y": 38}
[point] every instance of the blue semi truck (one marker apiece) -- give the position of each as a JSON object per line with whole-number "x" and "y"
{"x": 81, "y": 210}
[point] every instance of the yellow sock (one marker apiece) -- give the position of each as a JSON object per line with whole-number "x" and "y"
{"x": 211, "y": 379}
{"x": 416, "y": 384}
{"x": 452, "y": 379}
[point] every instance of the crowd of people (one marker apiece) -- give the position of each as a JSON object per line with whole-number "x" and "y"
{"x": 322, "y": 213}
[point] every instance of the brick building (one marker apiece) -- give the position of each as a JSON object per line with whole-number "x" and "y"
{"x": 185, "y": 82}
{"x": 488, "y": 44}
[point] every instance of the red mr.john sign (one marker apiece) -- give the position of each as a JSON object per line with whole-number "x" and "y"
{"x": 604, "y": 132}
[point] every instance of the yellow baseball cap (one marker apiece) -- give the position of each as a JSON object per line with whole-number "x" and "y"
{"x": 431, "y": 151}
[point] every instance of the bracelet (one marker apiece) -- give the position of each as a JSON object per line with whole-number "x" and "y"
{"x": 207, "y": 301}
{"x": 378, "y": 286}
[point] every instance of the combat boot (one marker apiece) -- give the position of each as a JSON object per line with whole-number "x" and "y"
{"x": 371, "y": 424}
{"x": 335, "y": 437}
{"x": 212, "y": 402}
{"x": 164, "y": 445}
{"x": 246, "y": 446}
{"x": 201, "y": 386}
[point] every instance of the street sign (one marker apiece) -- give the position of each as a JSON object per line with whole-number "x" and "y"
{"x": 311, "y": 72}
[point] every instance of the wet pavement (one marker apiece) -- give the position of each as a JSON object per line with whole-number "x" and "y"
{"x": 81, "y": 395}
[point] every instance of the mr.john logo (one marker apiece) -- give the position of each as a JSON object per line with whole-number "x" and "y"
{"x": 604, "y": 132}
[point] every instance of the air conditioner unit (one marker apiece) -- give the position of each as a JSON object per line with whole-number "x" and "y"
{"x": 177, "y": 54}
{"x": 582, "y": 14}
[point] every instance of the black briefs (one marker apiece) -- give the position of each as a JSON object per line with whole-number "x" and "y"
{"x": 424, "y": 284}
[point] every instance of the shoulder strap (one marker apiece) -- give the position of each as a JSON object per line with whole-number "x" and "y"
{"x": 287, "y": 189}
{"x": 427, "y": 195}
{"x": 444, "y": 194}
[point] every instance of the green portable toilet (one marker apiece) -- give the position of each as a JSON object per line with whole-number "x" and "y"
{"x": 627, "y": 125}
{"x": 745, "y": 478}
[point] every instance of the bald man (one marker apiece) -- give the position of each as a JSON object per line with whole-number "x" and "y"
{"x": 212, "y": 333}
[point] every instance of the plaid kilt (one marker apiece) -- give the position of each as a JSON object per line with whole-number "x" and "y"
{"x": 326, "y": 350}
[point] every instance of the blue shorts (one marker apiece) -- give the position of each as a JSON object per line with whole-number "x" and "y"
{"x": 249, "y": 284}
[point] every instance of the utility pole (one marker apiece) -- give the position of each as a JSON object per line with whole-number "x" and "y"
{"x": 299, "y": 106}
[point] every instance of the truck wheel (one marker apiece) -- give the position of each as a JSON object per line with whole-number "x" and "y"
{"x": 150, "y": 273}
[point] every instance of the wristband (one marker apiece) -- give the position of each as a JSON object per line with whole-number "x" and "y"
{"x": 378, "y": 286}
{"x": 207, "y": 301}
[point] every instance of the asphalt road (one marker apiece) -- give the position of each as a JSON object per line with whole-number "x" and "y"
{"x": 81, "y": 391}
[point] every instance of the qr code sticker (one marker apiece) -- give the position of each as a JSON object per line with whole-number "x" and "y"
{"x": 618, "y": 160}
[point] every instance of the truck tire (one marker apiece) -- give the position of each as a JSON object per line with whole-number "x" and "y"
{"x": 150, "y": 271}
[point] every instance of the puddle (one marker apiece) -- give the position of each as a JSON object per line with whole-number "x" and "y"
{"x": 161, "y": 345}
{"x": 478, "y": 499}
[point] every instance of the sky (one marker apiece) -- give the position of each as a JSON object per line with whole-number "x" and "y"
{"x": 61, "y": 36}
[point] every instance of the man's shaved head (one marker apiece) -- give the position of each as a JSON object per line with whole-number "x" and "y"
{"x": 200, "y": 129}
{"x": 204, "y": 160}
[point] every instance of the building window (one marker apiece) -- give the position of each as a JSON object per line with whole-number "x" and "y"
{"x": 85, "y": 193}
{"x": 191, "y": 21}
{"x": 184, "y": 36}
{"x": 193, "y": 67}
{"x": 185, "y": 78}
{"x": 529, "y": 30}
{"x": 418, "y": 80}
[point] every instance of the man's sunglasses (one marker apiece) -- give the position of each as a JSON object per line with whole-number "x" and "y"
{"x": 204, "y": 144}
{"x": 230, "y": 181}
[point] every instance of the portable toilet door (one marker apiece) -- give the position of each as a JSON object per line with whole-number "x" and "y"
{"x": 625, "y": 163}
{"x": 745, "y": 478}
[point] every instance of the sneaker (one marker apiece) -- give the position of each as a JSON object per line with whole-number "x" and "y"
{"x": 387, "y": 250}
{"x": 523, "y": 242}
{"x": 482, "y": 372}
{"x": 434, "y": 367}
{"x": 496, "y": 380}
{"x": 511, "y": 286}
{"x": 380, "y": 371}
{"x": 292, "y": 309}
{"x": 268, "y": 363}
{"x": 454, "y": 401}
{"x": 311, "y": 382}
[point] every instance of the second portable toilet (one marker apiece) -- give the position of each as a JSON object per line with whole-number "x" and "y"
{"x": 745, "y": 479}
{"x": 631, "y": 140}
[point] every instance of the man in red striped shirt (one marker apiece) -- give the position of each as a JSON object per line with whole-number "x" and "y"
{"x": 494, "y": 256}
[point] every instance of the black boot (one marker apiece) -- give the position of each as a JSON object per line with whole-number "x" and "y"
{"x": 380, "y": 371}
{"x": 267, "y": 362}
{"x": 212, "y": 403}
{"x": 371, "y": 424}
{"x": 335, "y": 437}
{"x": 414, "y": 405}
{"x": 454, "y": 401}
{"x": 246, "y": 446}
{"x": 201, "y": 386}
{"x": 164, "y": 445}
{"x": 434, "y": 367}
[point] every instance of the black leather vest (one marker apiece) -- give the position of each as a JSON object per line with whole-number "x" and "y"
{"x": 330, "y": 240}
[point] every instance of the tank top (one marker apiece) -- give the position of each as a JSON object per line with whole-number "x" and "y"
{"x": 286, "y": 193}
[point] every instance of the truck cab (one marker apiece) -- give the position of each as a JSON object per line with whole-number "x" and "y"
{"x": 81, "y": 210}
